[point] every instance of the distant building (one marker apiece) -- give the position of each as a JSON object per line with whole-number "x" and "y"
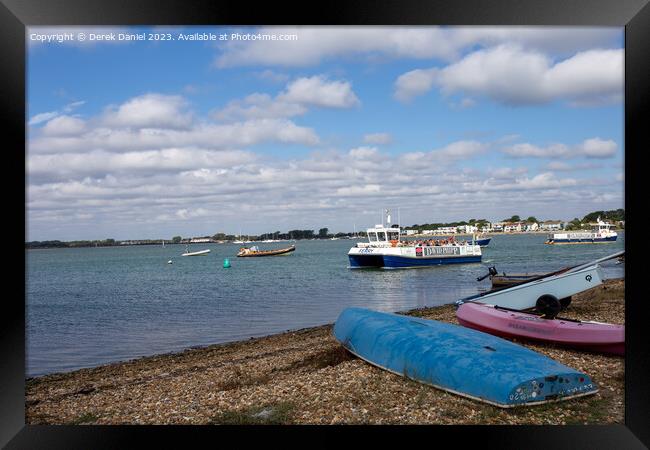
{"x": 445, "y": 230}
{"x": 498, "y": 226}
{"x": 467, "y": 229}
{"x": 487, "y": 228}
{"x": 512, "y": 227}
{"x": 532, "y": 226}
{"x": 201, "y": 240}
{"x": 552, "y": 225}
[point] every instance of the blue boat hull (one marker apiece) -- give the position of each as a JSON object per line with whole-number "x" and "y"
{"x": 483, "y": 242}
{"x": 459, "y": 360}
{"x": 397, "y": 262}
{"x": 583, "y": 241}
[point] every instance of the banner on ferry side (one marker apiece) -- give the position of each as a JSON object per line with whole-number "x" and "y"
{"x": 436, "y": 251}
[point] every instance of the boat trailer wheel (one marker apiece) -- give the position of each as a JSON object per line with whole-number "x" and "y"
{"x": 565, "y": 302}
{"x": 549, "y": 305}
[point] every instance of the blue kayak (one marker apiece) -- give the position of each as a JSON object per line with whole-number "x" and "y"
{"x": 457, "y": 359}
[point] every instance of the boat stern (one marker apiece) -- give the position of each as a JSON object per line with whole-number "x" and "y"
{"x": 551, "y": 389}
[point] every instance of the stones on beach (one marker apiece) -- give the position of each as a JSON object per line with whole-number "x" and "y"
{"x": 306, "y": 377}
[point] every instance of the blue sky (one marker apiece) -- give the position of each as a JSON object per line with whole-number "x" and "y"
{"x": 151, "y": 139}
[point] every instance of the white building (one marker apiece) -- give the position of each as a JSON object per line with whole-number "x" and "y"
{"x": 498, "y": 226}
{"x": 467, "y": 229}
{"x": 445, "y": 230}
{"x": 532, "y": 226}
{"x": 511, "y": 227}
{"x": 551, "y": 225}
{"x": 200, "y": 240}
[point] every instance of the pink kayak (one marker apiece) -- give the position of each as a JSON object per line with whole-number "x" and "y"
{"x": 592, "y": 336}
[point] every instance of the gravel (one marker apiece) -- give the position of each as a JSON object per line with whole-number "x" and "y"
{"x": 306, "y": 377}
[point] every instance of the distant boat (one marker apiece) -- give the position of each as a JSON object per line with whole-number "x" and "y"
{"x": 600, "y": 233}
{"x": 459, "y": 360}
{"x": 386, "y": 250}
{"x": 255, "y": 251}
{"x": 482, "y": 241}
{"x": 504, "y": 322}
{"x": 198, "y": 253}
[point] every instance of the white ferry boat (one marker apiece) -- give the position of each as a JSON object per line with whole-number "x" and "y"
{"x": 386, "y": 250}
{"x": 600, "y": 232}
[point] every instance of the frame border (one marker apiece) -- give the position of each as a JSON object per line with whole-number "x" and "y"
{"x": 634, "y": 15}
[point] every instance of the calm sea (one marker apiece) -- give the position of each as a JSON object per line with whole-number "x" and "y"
{"x": 90, "y": 306}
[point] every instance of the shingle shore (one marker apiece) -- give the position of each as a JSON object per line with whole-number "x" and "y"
{"x": 306, "y": 377}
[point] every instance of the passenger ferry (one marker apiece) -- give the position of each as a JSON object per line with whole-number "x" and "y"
{"x": 386, "y": 250}
{"x": 600, "y": 232}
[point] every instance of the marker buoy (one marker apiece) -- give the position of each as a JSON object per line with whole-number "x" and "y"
{"x": 169, "y": 262}
{"x": 226, "y": 263}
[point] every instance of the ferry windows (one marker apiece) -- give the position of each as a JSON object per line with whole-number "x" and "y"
{"x": 393, "y": 236}
{"x": 381, "y": 236}
{"x": 372, "y": 237}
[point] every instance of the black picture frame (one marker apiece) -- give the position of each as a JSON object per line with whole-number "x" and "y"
{"x": 634, "y": 15}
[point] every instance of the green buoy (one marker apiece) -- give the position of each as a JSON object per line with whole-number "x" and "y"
{"x": 226, "y": 263}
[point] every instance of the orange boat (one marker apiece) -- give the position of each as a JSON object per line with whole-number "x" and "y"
{"x": 254, "y": 251}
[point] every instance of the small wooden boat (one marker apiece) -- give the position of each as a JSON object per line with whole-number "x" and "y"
{"x": 458, "y": 360}
{"x": 254, "y": 251}
{"x": 513, "y": 278}
{"x": 508, "y": 323}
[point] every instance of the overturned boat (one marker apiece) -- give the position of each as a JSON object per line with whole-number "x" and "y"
{"x": 458, "y": 360}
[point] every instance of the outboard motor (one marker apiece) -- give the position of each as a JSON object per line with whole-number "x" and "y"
{"x": 492, "y": 271}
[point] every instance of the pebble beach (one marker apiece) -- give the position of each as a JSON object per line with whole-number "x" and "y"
{"x": 306, "y": 377}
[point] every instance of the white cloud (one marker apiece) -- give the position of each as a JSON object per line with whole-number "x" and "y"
{"x": 511, "y": 75}
{"x": 44, "y": 117}
{"x": 414, "y": 83}
{"x": 259, "y": 106}
{"x": 64, "y": 126}
{"x": 316, "y": 44}
{"x": 589, "y": 148}
{"x": 220, "y": 190}
{"x": 318, "y": 91}
{"x": 598, "y": 148}
{"x": 315, "y": 91}
{"x": 149, "y": 111}
{"x": 99, "y": 163}
{"x": 207, "y": 136}
{"x": 378, "y": 138}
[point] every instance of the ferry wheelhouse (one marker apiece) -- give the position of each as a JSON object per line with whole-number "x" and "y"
{"x": 386, "y": 250}
{"x": 600, "y": 232}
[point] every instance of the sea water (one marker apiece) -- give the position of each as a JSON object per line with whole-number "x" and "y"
{"x": 90, "y": 306}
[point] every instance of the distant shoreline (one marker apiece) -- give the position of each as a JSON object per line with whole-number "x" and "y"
{"x": 486, "y": 235}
